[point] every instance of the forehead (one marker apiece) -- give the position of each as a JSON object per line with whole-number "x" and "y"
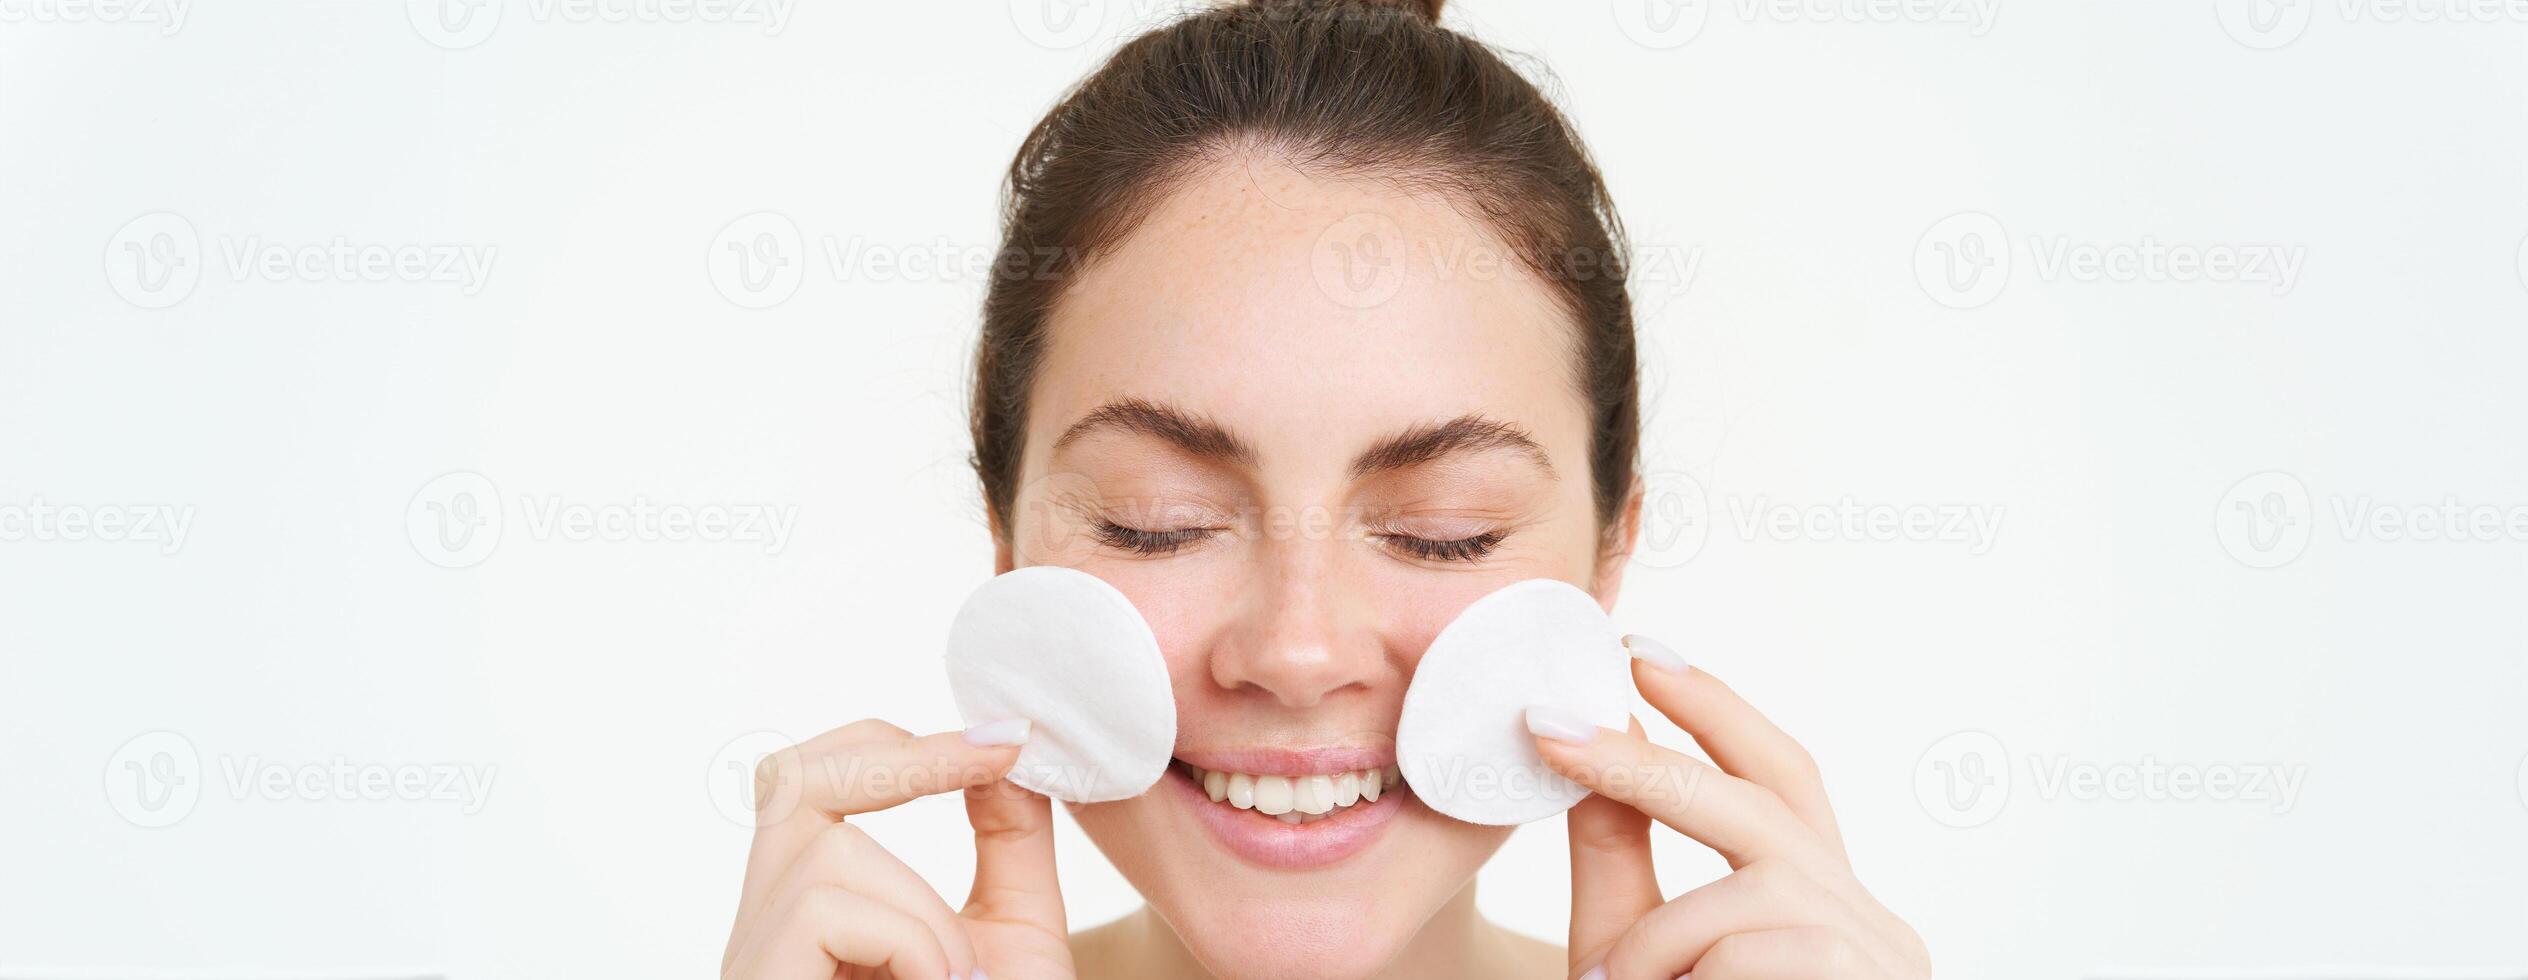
{"x": 1310, "y": 314}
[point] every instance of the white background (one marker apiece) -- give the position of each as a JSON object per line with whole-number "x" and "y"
{"x": 1803, "y": 159}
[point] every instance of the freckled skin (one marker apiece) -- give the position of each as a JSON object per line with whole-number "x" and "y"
{"x": 1299, "y": 625}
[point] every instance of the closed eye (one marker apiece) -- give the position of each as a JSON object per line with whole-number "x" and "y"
{"x": 1455, "y": 550}
{"x": 1143, "y": 542}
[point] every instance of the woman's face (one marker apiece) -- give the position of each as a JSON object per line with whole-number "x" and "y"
{"x": 1302, "y": 423}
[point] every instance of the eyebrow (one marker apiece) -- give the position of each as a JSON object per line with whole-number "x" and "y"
{"x": 1192, "y": 433}
{"x": 1203, "y": 438}
{"x": 1463, "y": 434}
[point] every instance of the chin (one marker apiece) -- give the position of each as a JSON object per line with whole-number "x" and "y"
{"x": 1341, "y": 895}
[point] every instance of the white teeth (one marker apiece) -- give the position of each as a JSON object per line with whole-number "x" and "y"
{"x": 1295, "y": 799}
{"x": 1312, "y": 794}
{"x": 1272, "y": 795}
{"x": 1347, "y": 788}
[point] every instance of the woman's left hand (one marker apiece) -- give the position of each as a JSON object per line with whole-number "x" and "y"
{"x": 1790, "y": 907}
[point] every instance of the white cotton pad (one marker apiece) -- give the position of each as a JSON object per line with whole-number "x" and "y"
{"x": 1462, "y": 742}
{"x": 1064, "y": 650}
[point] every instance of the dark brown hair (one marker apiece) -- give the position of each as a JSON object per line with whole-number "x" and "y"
{"x": 1346, "y": 88}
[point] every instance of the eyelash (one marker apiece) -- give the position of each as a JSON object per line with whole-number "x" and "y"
{"x": 1156, "y": 543}
{"x": 1462, "y": 549}
{"x": 1142, "y": 542}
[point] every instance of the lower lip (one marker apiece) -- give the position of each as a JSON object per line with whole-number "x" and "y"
{"x": 1268, "y": 842}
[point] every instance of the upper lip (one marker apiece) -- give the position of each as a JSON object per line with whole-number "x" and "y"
{"x": 1274, "y": 761}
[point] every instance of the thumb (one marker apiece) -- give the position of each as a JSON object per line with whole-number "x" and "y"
{"x": 1612, "y": 881}
{"x": 1014, "y": 879}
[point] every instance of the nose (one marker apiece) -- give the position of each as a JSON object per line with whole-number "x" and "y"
{"x": 1301, "y": 636}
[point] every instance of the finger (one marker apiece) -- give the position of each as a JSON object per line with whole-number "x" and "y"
{"x": 1670, "y": 939}
{"x": 1743, "y": 821}
{"x": 1014, "y": 878}
{"x": 824, "y": 927}
{"x": 1801, "y": 953}
{"x": 847, "y": 857}
{"x": 858, "y": 768}
{"x": 1612, "y": 880}
{"x": 1740, "y": 739}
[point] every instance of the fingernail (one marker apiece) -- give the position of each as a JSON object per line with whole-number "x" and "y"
{"x": 1595, "y": 973}
{"x": 1007, "y": 731}
{"x": 977, "y": 975}
{"x": 1655, "y": 653}
{"x": 1560, "y": 725}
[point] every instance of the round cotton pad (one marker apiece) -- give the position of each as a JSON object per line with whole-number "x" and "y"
{"x": 1064, "y": 650}
{"x": 1462, "y": 742}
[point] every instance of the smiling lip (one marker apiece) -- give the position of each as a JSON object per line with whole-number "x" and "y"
{"x": 1289, "y": 762}
{"x": 1266, "y": 842}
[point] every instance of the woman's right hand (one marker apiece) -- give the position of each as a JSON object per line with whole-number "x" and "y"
{"x": 823, "y": 900}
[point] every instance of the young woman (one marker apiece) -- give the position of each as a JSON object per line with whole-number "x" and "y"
{"x": 1312, "y": 329}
